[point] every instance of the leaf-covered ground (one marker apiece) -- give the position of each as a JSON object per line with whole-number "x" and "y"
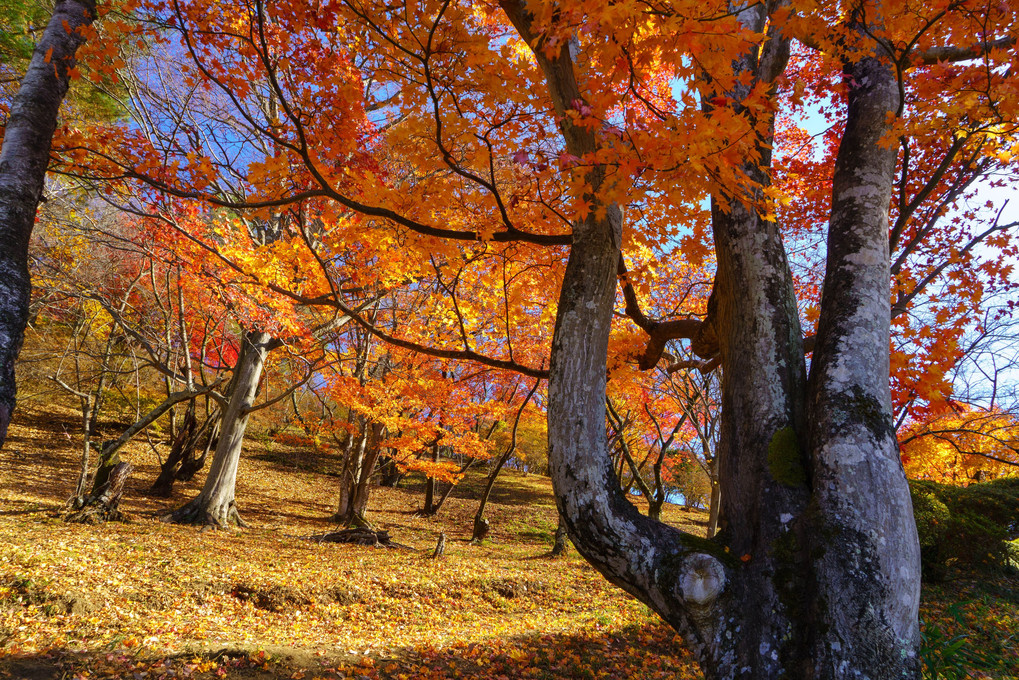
{"x": 151, "y": 600}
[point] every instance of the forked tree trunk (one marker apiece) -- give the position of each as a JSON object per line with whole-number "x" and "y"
{"x": 183, "y": 443}
{"x": 215, "y": 505}
{"x": 816, "y": 574}
{"x": 24, "y": 156}
{"x": 355, "y": 484}
{"x": 193, "y": 462}
{"x": 183, "y": 461}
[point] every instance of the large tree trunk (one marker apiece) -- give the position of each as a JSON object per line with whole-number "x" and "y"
{"x": 24, "y": 157}
{"x": 215, "y": 505}
{"x": 864, "y": 542}
{"x": 816, "y": 574}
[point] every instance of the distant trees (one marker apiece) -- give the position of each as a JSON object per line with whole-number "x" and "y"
{"x": 962, "y": 446}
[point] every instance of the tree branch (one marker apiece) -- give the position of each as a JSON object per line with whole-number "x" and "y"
{"x": 939, "y": 55}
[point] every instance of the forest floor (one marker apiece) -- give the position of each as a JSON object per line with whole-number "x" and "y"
{"x": 144, "y": 599}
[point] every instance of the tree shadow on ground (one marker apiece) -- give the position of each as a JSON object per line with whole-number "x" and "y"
{"x": 510, "y": 489}
{"x": 637, "y": 651}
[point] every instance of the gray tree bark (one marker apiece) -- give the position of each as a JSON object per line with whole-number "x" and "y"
{"x": 24, "y": 157}
{"x": 816, "y": 574}
{"x": 216, "y": 505}
{"x": 359, "y": 465}
{"x": 868, "y": 564}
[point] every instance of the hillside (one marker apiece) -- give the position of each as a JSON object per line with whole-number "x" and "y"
{"x": 145, "y": 599}
{"x": 266, "y": 602}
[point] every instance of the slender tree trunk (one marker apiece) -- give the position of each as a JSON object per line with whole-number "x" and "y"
{"x": 24, "y": 157}
{"x": 430, "y": 508}
{"x": 449, "y": 489}
{"x": 481, "y": 525}
{"x": 714, "y": 507}
{"x": 78, "y": 499}
{"x": 215, "y": 505}
{"x": 99, "y": 399}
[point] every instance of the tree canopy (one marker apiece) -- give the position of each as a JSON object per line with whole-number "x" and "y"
{"x": 436, "y": 198}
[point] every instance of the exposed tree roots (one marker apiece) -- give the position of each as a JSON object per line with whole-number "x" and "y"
{"x": 200, "y": 513}
{"x": 360, "y": 536}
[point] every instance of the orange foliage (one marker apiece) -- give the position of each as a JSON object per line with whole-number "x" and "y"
{"x": 410, "y": 151}
{"x": 963, "y": 446}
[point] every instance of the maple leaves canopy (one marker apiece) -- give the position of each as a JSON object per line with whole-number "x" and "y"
{"x": 447, "y": 153}
{"x": 415, "y": 144}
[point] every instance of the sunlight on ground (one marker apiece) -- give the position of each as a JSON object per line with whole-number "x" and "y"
{"x": 119, "y": 597}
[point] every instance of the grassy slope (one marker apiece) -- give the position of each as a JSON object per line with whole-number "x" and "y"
{"x": 119, "y": 598}
{"x": 145, "y": 599}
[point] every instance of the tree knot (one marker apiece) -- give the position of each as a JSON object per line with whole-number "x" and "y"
{"x": 702, "y": 579}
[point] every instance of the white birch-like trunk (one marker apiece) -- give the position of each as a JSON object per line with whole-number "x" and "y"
{"x": 216, "y": 505}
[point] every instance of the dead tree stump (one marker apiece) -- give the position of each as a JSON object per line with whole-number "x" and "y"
{"x": 440, "y": 546}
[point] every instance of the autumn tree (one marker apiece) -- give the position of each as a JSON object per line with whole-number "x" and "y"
{"x": 542, "y": 146}
{"x": 962, "y": 446}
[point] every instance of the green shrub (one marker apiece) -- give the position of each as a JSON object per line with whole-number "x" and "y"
{"x": 965, "y": 525}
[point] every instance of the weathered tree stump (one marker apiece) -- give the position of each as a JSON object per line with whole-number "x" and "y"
{"x": 440, "y": 546}
{"x": 103, "y": 505}
{"x": 359, "y": 536}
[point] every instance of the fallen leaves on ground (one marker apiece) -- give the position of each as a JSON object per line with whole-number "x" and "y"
{"x": 146, "y": 600}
